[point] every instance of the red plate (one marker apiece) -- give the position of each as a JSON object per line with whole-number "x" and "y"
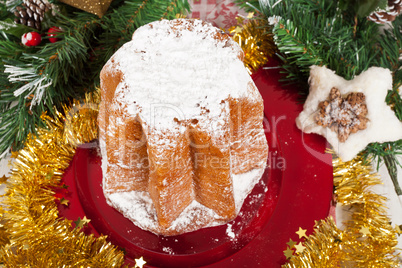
{"x": 299, "y": 184}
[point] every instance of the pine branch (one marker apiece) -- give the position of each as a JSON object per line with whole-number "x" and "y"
{"x": 323, "y": 33}
{"x": 249, "y": 6}
{"x": 390, "y": 162}
{"x": 337, "y": 34}
{"x": 35, "y": 80}
{"x": 391, "y": 47}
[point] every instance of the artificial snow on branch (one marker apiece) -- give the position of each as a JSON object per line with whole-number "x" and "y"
{"x": 35, "y": 86}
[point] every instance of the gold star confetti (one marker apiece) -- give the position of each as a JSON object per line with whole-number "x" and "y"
{"x": 302, "y": 232}
{"x": 299, "y": 248}
{"x": 64, "y": 201}
{"x": 139, "y": 263}
{"x": 250, "y": 15}
{"x": 81, "y": 222}
{"x": 237, "y": 30}
{"x": 180, "y": 16}
{"x": 329, "y": 246}
{"x": 288, "y": 253}
{"x": 49, "y": 175}
{"x": 86, "y": 220}
{"x": 364, "y": 231}
{"x": 3, "y": 179}
{"x": 78, "y": 223}
{"x": 291, "y": 243}
{"x": 398, "y": 229}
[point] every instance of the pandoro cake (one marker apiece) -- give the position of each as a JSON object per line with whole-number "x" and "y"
{"x": 180, "y": 128}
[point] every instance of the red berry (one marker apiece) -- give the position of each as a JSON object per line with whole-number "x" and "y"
{"x": 31, "y": 39}
{"x": 53, "y": 32}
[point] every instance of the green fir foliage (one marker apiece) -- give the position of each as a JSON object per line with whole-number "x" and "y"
{"x": 338, "y": 34}
{"x": 362, "y": 8}
{"x": 36, "y": 80}
{"x": 249, "y": 6}
{"x": 319, "y": 32}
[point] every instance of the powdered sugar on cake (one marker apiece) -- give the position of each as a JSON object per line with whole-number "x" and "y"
{"x": 177, "y": 87}
{"x": 179, "y": 77}
{"x": 137, "y": 206}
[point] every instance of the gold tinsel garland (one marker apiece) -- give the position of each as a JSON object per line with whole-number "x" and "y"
{"x": 255, "y": 40}
{"x": 368, "y": 239}
{"x": 33, "y": 235}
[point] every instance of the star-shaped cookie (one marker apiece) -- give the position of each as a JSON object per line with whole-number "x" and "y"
{"x": 380, "y": 123}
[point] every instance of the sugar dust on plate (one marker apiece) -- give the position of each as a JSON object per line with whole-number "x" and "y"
{"x": 230, "y": 232}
